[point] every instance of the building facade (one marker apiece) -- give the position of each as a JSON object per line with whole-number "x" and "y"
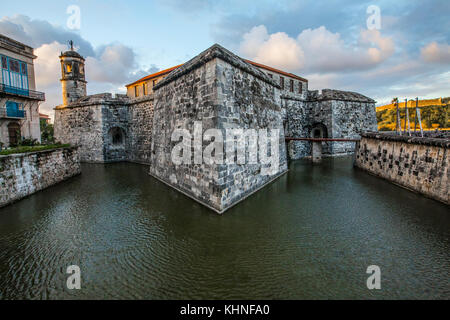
{"x": 217, "y": 90}
{"x": 19, "y": 100}
{"x": 44, "y": 118}
{"x": 144, "y": 86}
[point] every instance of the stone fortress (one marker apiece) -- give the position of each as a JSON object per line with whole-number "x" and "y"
{"x": 220, "y": 90}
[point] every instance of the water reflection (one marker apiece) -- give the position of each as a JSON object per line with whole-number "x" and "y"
{"x": 311, "y": 234}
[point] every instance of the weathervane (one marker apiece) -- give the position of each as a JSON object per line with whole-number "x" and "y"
{"x": 71, "y": 45}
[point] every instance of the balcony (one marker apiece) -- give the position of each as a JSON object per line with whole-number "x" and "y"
{"x": 12, "y": 113}
{"x": 24, "y": 93}
{"x": 12, "y": 110}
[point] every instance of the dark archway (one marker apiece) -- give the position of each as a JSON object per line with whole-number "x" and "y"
{"x": 14, "y": 133}
{"x": 319, "y": 130}
{"x": 117, "y": 137}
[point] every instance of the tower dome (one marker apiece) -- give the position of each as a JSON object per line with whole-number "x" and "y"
{"x": 73, "y": 76}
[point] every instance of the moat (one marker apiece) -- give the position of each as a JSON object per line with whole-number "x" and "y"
{"x": 309, "y": 235}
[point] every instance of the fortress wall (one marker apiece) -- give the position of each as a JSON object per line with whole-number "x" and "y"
{"x": 247, "y": 102}
{"x": 297, "y": 123}
{"x": 419, "y": 164}
{"x": 115, "y": 118}
{"x": 83, "y": 127}
{"x": 220, "y": 94}
{"x": 344, "y": 114}
{"x": 191, "y": 97}
{"x": 140, "y": 124}
{"x": 92, "y": 123}
{"x": 349, "y": 120}
{"x": 26, "y": 173}
{"x": 302, "y": 117}
{"x": 322, "y": 115}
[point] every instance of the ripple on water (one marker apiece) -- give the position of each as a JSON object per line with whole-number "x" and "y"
{"x": 311, "y": 234}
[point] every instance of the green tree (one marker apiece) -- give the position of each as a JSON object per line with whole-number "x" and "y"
{"x": 46, "y": 132}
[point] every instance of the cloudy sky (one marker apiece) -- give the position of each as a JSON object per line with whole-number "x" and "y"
{"x": 336, "y": 44}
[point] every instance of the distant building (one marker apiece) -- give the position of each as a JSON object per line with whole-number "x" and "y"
{"x": 44, "y": 118}
{"x": 19, "y": 102}
{"x": 144, "y": 86}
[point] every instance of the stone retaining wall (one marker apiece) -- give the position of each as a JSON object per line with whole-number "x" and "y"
{"x": 419, "y": 164}
{"x": 81, "y": 126}
{"x": 25, "y": 173}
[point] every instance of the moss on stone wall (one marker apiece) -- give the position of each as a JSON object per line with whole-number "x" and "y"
{"x": 25, "y": 149}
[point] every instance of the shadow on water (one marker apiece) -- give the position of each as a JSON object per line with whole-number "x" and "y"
{"x": 310, "y": 234}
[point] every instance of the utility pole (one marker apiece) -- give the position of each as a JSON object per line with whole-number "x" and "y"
{"x": 407, "y": 118}
{"x": 415, "y": 118}
{"x": 418, "y": 117}
{"x": 398, "y": 126}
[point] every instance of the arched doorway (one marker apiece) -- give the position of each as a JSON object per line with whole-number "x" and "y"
{"x": 319, "y": 130}
{"x": 116, "y": 147}
{"x": 117, "y": 136}
{"x": 14, "y": 133}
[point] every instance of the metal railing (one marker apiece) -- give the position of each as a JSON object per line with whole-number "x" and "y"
{"x": 31, "y": 94}
{"x": 12, "y": 113}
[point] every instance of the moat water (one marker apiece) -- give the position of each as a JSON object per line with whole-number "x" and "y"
{"x": 309, "y": 235}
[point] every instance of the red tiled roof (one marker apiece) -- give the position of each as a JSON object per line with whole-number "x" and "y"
{"x": 165, "y": 71}
{"x": 43, "y": 116}
{"x": 287, "y": 74}
{"x": 154, "y": 75}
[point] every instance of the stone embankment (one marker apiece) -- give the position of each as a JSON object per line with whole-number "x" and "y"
{"x": 416, "y": 163}
{"x": 26, "y": 173}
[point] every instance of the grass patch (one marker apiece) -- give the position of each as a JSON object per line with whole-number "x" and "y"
{"x": 25, "y": 149}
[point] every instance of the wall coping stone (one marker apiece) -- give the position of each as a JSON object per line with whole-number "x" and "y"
{"x": 292, "y": 97}
{"x": 23, "y": 154}
{"x": 331, "y": 94}
{"x": 436, "y": 142}
{"x": 106, "y": 99}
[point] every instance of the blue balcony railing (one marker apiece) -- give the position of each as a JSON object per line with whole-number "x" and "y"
{"x": 12, "y": 109}
{"x": 12, "y": 113}
{"x": 31, "y": 94}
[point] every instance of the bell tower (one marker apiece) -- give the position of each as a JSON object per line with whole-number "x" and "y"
{"x": 73, "y": 78}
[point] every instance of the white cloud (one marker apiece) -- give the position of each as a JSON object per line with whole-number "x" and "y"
{"x": 316, "y": 50}
{"x": 277, "y": 49}
{"x": 35, "y": 33}
{"x": 370, "y": 65}
{"x": 436, "y": 53}
{"x": 113, "y": 63}
{"x": 108, "y": 67}
{"x": 47, "y": 66}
